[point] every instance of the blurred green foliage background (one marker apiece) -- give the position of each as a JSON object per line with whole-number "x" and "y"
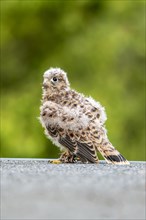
{"x": 100, "y": 44}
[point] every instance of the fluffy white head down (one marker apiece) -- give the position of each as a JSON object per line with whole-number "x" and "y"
{"x": 56, "y": 72}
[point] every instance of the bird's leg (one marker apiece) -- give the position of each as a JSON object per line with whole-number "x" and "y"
{"x": 68, "y": 157}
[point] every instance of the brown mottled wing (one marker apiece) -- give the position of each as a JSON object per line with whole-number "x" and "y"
{"x": 68, "y": 143}
{"x": 53, "y": 132}
{"x": 85, "y": 152}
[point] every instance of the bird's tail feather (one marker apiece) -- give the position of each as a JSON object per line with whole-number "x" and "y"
{"x": 111, "y": 155}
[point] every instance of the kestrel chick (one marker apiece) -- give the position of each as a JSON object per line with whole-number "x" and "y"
{"x": 74, "y": 123}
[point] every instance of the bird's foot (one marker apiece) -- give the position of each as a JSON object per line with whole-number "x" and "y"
{"x": 56, "y": 161}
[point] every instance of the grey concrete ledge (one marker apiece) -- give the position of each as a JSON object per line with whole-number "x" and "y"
{"x": 35, "y": 189}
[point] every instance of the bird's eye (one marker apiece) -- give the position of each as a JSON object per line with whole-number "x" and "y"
{"x": 55, "y": 79}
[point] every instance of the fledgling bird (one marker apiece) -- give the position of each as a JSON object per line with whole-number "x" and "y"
{"x": 74, "y": 123}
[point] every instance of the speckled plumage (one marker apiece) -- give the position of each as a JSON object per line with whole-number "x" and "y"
{"x": 74, "y": 123}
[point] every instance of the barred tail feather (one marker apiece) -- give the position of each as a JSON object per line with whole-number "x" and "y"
{"x": 111, "y": 155}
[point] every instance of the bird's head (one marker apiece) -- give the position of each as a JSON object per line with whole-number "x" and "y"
{"x": 55, "y": 79}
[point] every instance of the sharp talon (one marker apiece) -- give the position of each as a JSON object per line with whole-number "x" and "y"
{"x": 54, "y": 161}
